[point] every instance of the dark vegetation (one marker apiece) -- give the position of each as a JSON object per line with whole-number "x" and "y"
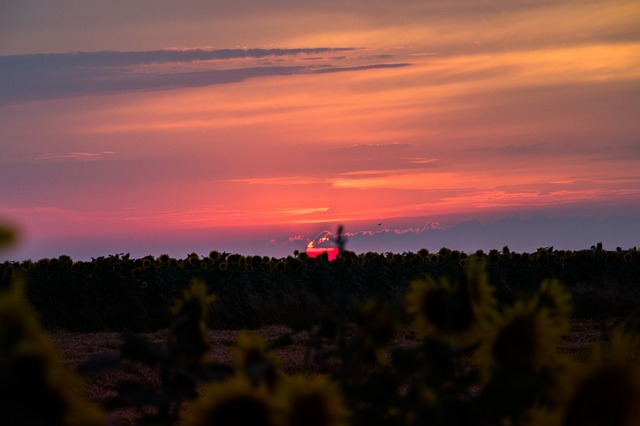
{"x": 120, "y": 293}
{"x": 440, "y": 338}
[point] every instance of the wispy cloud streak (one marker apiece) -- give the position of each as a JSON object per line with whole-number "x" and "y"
{"x": 43, "y": 76}
{"x": 79, "y": 156}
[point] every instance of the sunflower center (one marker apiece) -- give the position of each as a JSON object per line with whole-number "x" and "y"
{"x": 607, "y": 398}
{"x": 516, "y": 343}
{"x": 448, "y": 311}
{"x": 240, "y": 411}
{"x": 27, "y": 398}
{"x": 310, "y": 410}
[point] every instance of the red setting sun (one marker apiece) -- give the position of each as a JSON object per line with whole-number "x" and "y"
{"x": 322, "y": 244}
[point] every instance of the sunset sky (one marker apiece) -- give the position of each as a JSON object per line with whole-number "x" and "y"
{"x": 172, "y": 127}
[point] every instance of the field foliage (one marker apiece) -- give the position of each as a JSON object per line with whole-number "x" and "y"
{"x": 119, "y": 293}
{"x": 485, "y": 327}
{"x": 481, "y": 354}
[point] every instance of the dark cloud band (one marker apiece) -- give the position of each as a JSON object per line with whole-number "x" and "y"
{"x": 46, "y": 76}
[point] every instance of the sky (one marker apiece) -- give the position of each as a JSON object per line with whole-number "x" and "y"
{"x": 153, "y": 127}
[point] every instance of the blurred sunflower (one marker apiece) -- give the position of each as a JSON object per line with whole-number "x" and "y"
{"x": 440, "y": 311}
{"x": 456, "y": 313}
{"x": 525, "y": 336}
{"x": 188, "y": 341}
{"x": 556, "y": 300}
{"x": 254, "y": 360}
{"x": 7, "y": 235}
{"x": 35, "y": 388}
{"x": 605, "y": 391}
{"x": 481, "y": 293}
{"x": 377, "y": 324}
{"x": 315, "y": 401}
{"x": 624, "y": 343}
{"x": 233, "y": 402}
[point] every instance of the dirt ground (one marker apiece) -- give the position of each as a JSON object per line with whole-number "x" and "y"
{"x": 80, "y": 347}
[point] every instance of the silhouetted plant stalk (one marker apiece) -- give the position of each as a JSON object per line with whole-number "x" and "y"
{"x": 340, "y": 240}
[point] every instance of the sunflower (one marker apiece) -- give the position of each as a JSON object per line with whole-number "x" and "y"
{"x": 35, "y": 388}
{"x": 254, "y": 360}
{"x": 624, "y": 343}
{"x": 438, "y": 310}
{"x": 315, "y": 401}
{"x": 525, "y": 336}
{"x": 377, "y": 324}
{"x": 255, "y": 261}
{"x": 195, "y": 296}
{"x": 481, "y": 293}
{"x": 27, "y": 266}
{"x": 556, "y": 300}
{"x": 7, "y": 235}
{"x": 455, "y": 313}
{"x": 188, "y": 341}
{"x": 9, "y": 269}
{"x": 604, "y": 391}
{"x": 608, "y": 395}
{"x": 233, "y": 402}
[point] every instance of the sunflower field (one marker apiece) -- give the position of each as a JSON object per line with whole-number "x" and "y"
{"x": 482, "y": 334}
{"x": 119, "y": 293}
